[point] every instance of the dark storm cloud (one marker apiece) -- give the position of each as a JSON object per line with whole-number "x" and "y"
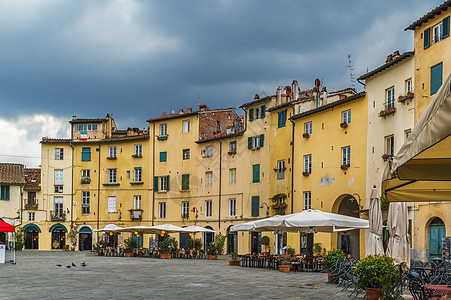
{"x": 138, "y": 58}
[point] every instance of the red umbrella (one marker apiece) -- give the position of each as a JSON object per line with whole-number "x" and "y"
{"x": 5, "y": 227}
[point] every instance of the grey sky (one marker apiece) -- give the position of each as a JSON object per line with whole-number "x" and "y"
{"x": 136, "y": 59}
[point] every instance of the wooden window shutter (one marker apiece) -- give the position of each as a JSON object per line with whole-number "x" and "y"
{"x": 155, "y": 183}
{"x": 249, "y": 143}
{"x": 167, "y": 183}
{"x": 255, "y": 206}
{"x": 445, "y": 32}
{"x": 427, "y": 37}
{"x": 251, "y": 115}
{"x": 262, "y": 137}
{"x": 263, "y": 111}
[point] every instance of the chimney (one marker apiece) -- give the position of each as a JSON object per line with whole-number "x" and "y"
{"x": 279, "y": 95}
{"x": 181, "y": 111}
{"x": 396, "y": 53}
{"x": 164, "y": 114}
{"x": 324, "y": 95}
{"x": 74, "y": 118}
{"x": 203, "y": 107}
{"x": 188, "y": 110}
{"x": 341, "y": 97}
{"x": 256, "y": 97}
{"x": 295, "y": 90}
{"x": 389, "y": 58}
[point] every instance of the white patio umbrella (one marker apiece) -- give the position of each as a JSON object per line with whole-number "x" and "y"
{"x": 194, "y": 229}
{"x": 274, "y": 223}
{"x": 397, "y": 224}
{"x": 166, "y": 227}
{"x": 375, "y": 246}
{"x": 139, "y": 228}
{"x": 109, "y": 227}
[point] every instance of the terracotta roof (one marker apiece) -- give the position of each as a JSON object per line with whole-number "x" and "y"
{"x": 32, "y": 179}
{"x": 114, "y": 139}
{"x": 87, "y": 121}
{"x": 387, "y": 65}
{"x": 173, "y": 116}
{"x": 430, "y": 15}
{"x": 258, "y": 101}
{"x": 219, "y": 136}
{"x": 46, "y": 140}
{"x": 329, "y": 105}
{"x": 12, "y": 173}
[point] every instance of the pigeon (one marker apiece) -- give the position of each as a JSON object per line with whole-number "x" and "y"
{"x": 59, "y": 265}
{"x": 68, "y": 267}
{"x": 83, "y": 264}
{"x": 73, "y": 265}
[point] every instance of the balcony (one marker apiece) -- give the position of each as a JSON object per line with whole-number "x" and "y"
{"x": 137, "y": 156}
{"x": 388, "y": 110}
{"x": 111, "y": 157}
{"x": 31, "y": 205}
{"x": 162, "y": 137}
{"x": 405, "y": 98}
{"x": 185, "y": 215}
{"x": 86, "y": 180}
{"x": 136, "y": 214}
{"x": 57, "y": 216}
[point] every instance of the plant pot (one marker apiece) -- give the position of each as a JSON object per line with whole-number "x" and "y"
{"x": 72, "y": 248}
{"x": 234, "y": 262}
{"x": 331, "y": 278}
{"x": 128, "y": 254}
{"x": 284, "y": 268}
{"x": 373, "y": 294}
{"x": 212, "y": 256}
{"x": 165, "y": 256}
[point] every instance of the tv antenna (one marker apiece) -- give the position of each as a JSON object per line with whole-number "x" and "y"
{"x": 351, "y": 72}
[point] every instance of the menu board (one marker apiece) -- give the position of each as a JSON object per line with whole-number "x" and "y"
{"x": 446, "y": 247}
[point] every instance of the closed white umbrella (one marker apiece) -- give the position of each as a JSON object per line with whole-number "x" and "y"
{"x": 375, "y": 246}
{"x": 397, "y": 224}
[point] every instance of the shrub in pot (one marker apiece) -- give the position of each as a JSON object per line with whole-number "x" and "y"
{"x": 130, "y": 244}
{"x": 264, "y": 241}
{"x": 234, "y": 259}
{"x": 164, "y": 248}
{"x": 330, "y": 259}
{"x": 285, "y": 262}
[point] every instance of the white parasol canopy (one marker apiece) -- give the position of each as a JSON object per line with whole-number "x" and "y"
{"x": 166, "y": 227}
{"x": 109, "y": 227}
{"x": 195, "y": 229}
{"x": 139, "y": 228}
{"x": 375, "y": 217}
{"x": 397, "y": 224}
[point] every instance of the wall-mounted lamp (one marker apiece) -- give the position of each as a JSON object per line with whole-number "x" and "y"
{"x": 267, "y": 208}
{"x": 357, "y": 201}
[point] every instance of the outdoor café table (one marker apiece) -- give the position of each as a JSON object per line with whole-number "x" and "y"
{"x": 438, "y": 290}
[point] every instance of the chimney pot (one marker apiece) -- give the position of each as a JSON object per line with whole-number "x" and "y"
{"x": 74, "y": 118}
{"x": 181, "y": 111}
{"x": 164, "y": 114}
{"x": 389, "y": 58}
{"x": 256, "y": 97}
{"x": 324, "y": 89}
{"x": 189, "y": 110}
{"x": 396, "y": 53}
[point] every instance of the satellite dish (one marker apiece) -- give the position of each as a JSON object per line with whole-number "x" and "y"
{"x": 317, "y": 82}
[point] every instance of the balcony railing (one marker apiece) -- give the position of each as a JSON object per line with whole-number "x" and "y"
{"x": 409, "y": 96}
{"x": 86, "y": 180}
{"x": 31, "y": 205}
{"x": 57, "y": 216}
{"x": 389, "y": 109}
{"x": 136, "y": 214}
{"x": 185, "y": 215}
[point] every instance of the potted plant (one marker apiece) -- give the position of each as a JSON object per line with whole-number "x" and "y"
{"x": 344, "y": 166}
{"x": 317, "y": 248}
{"x": 19, "y": 239}
{"x": 234, "y": 259}
{"x": 305, "y": 173}
{"x": 217, "y": 247}
{"x": 331, "y": 259}
{"x": 285, "y": 262}
{"x": 164, "y": 248}
{"x": 130, "y": 244}
{"x": 264, "y": 241}
{"x": 72, "y": 238}
{"x": 372, "y": 272}
{"x": 343, "y": 125}
{"x": 305, "y": 135}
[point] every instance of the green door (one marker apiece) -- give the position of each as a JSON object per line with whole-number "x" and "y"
{"x": 436, "y": 233}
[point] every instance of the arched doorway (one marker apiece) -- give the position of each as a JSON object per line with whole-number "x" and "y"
{"x": 85, "y": 238}
{"x": 437, "y": 231}
{"x": 208, "y": 237}
{"x": 31, "y": 236}
{"x": 349, "y": 241}
{"x": 58, "y": 236}
{"x": 232, "y": 241}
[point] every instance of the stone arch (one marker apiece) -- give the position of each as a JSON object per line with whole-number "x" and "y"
{"x": 345, "y": 204}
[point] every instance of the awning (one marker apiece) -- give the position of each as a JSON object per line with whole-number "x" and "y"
{"x": 421, "y": 169}
{"x": 5, "y": 227}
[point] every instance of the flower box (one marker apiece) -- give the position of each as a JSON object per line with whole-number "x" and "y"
{"x": 213, "y": 257}
{"x": 31, "y": 206}
{"x": 128, "y": 254}
{"x": 234, "y": 262}
{"x": 231, "y": 152}
{"x": 86, "y": 180}
{"x": 137, "y": 156}
{"x": 387, "y": 111}
{"x": 344, "y": 125}
{"x": 165, "y": 256}
{"x": 305, "y": 173}
{"x": 402, "y": 99}
{"x": 344, "y": 167}
{"x": 284, "y": 268}
{"x": 306, "y": 135}
{"x": 112, "y": 157}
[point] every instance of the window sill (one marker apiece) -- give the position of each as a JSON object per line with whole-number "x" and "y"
{"x": 183, "y": 191}
{"x": 162, "y": 137}
{"x": 137, "y": 156}
{"x": 161, "y": 192}
{"x": 136, "y": 182}
{"x": 111, "y": 184}
{"x": 111, "y": 158}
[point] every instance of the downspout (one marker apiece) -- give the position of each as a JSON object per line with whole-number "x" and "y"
{"x": 220, "y": 182}
{"x": 72, "y": 188}
{"x": 292, "y": 161}
{"x": 153, "y": 173}
{"x": 358, "y": 80}
{"x": 98, "y": 195}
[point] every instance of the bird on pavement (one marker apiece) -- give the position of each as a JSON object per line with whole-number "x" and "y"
{"x": 83, "y": 264}
{"x": 59, "y": 265}
{"x": 73, "y": 265}
{"x": 68, "y": 267}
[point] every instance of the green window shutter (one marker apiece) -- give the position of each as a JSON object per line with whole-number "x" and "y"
{"x": 278, "y": 119}
{"x": 163, "y": 156}
{"x": 436, "y": 78}
{"x": 249, "y": 143}
{"x": 263, "y": 111}
{"x": 155, "y": 183}
{"x": 445, "y": 32}
{"x": 256, "y": 173}
{"x": 4, "y": 192}
{"x": 167, "y": 183}
{"x": 427, "y": 37}
{"x": 262, "y": 139}
{"x": 86, "y": 154}
{"x": 255, "y": 206}
{"x": 185, "y": 182}
{"x": 251, "y": 115}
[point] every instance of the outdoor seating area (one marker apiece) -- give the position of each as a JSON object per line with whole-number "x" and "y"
{"x": 150, "y": 252}
{"x": 298, "y": 263}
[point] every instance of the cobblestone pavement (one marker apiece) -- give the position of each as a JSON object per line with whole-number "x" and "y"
{"x": 36, "y": 276}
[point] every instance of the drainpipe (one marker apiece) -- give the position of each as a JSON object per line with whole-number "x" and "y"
{"x": 72, "y": 188}
{"x": 153, "y": 173}
{"x": 98, "y": 194}
{"x": 220, "y": 181}
{"x": 292, "y": 161}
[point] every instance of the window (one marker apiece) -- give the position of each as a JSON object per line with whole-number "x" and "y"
{"x": 208, "y": 179}
{"x": 408, "y": 132}
{"x": 409, "y": 85}
{"x": 390, "y": 145}
{"x": 112, "y": 204}
{"x": 232, "y": 207}
{"x": 139, "y": 150}
{"x": 251, "y": 114}
{"x": 232, "y": 146}
{"x": 437, "y": 33}
{"x": 255, "y": 141}
{"x": 185, "y": 153}
{"x": 185, "y": 182}
{"x": 163, "y": 183}
{"x": 138, "y": 174}
{"x": 262, "y": 111}
{"x": 232, "y": 173}
{"x": 281, "y": 169}
{"x": 282, "y": 118}
{"x": 208, "y": 209}
{"x": 308, "y": 164}
{"x": 163, "y": 129}
{"x": 346, "y": 117}
{"x": 390, "y": 94}
{"x": 59, "y": 153}
{"x": 58, "y": 210}
{"x": 308, "y": 128}
{"x": 255, "y": 173}
{"x": 4, "y": 192}
{"x": 111, "y": 175}
{"x": 137, "y": 202}
{"x": 208, "y": 151}
{"x": 346, "y": 156}
{"x": 128, "y": 174}
{"x": 85, "y": 127}
{"x": 86, "y": 154}
{"x": 58, "y": 188}
{"x": 185, "y": 210}
{"x": 163, "y": 156}
{"x": 31, "y": 198}
{"x": 257, "y": 113}
{"x": 307, "y": 200}
{"x": 255, "y": 206}
{"x": 112, "y": 152}
{"x": 162, "y": 210}
{"x": 58, "y": 176}
{"x": 86, "y": 173}
{"x": 85, "y": 202}
{"x": 186, "y": 125}
{"x": 31, "y": 216}
{"x": 436, "y": 78}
